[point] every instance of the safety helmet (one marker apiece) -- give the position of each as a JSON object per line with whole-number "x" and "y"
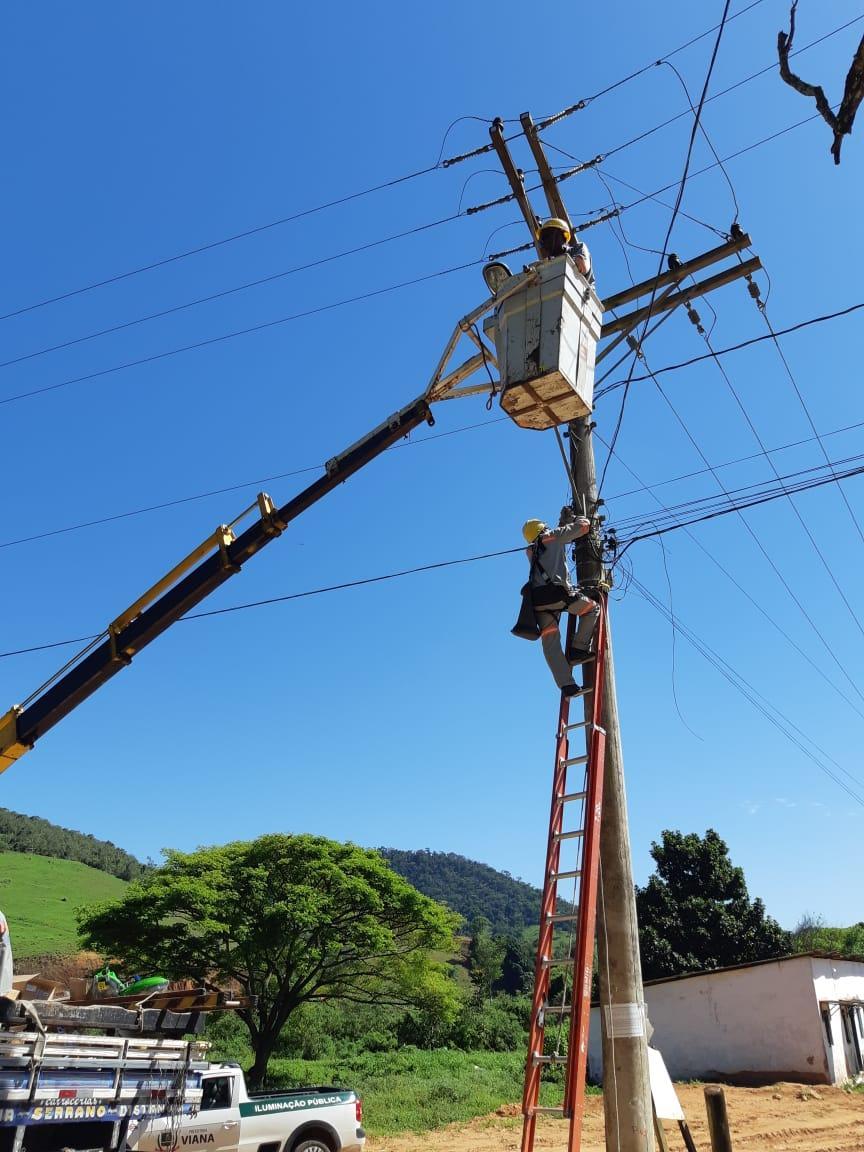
{"x": 559, "y": 225}
{"x": 531, "y": 529}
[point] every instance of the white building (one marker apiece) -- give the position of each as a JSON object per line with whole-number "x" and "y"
{"x": 800, "y": 1018}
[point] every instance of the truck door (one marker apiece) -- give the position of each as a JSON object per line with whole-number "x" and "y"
{"x": 216, "y": 1128}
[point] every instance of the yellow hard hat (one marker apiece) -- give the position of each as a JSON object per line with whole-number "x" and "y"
{"x": 531, "y": 529}
{"x": 560, "y": 225}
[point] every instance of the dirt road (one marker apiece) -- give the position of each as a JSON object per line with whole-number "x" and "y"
{"x": 782, "y": 1118}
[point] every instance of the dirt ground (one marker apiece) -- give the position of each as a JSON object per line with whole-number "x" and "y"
{"x": 781, "y": 1118}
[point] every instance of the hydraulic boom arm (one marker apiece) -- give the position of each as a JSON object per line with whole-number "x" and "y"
{"x": 186, "y": 585}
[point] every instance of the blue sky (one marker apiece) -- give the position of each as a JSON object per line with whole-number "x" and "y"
{"x": 404, "y": 713}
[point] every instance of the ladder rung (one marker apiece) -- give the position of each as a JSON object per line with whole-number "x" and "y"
{"x": 548, "y": 1110}
{"x": 576, "y": 760}
{"x": 568, "y": 835}
{"x": 578, "y": 724}
{"x": 549, "y": 1059}
{"x": 561, "y": 917}
{"x": 556, "y": 1009}
{"x": 556, "y": 961}
{"x": 567, "y": 797}
{"x": 566, "y": 875}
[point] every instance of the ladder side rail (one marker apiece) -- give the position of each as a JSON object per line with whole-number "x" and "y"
{"x": 574, "y": 1094}
{"x": 548, "y": 907}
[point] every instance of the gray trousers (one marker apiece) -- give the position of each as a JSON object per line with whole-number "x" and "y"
{"x": 588, "y": 612}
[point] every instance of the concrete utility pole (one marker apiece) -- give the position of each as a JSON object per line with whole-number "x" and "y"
{"x": 626, "y": 1087}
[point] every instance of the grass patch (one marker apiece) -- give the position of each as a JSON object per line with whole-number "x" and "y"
{"x": 415, "y": 1090}
{"x": 39, "y": 895}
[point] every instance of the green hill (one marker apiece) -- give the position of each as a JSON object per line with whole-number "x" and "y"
{"x": 39, "y": 896}
{"x": 20, "y": 833}
{"x": 469, "y": 888}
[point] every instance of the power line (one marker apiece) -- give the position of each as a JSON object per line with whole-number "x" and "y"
{"x": 761, "y": 307}
{"x": 549, "y": 120}
{"x": 746, "y": 496}
{"x": 439, "y": 564}
{"x": 745, "y": 592}
{"x": 96, "y": 522}
{"x": 378, "y": 292}
{"x": 802, "y": 402}
{"x": 771, "y": 713}
{"x": 804, "y": 525}
{"x": 726, "y": 463}
{"x": 349, "y": 197}
{"x": 725, "y": 91}
{"x": 753, "y": 535}
{"x": 219, "y": 243}
{"x": 676, "y": 208}
{"x": 233, "y": 290}
{"x": 734, "y": 347}
{"x": 239, "y": 332}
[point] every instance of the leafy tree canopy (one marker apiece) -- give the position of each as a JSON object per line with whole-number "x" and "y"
{"x": 291, "y": 919}
{"x": 812, "y": 934}
{"x": 695, "y": 912}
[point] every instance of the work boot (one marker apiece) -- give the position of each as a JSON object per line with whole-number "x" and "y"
{"x": 571, "y": 690}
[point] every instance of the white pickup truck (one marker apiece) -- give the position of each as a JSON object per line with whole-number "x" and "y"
{"x": 230, "y": 1120}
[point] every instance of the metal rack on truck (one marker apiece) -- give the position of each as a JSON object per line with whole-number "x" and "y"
{"x": 67, "y": 1090}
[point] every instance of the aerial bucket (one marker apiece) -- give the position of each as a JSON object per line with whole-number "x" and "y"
{"x": 546, "y": 341}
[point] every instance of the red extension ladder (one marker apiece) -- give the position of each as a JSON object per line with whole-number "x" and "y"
{"x": 574, "y": 829}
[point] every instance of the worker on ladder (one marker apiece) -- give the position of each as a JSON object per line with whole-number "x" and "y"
{"x": 554, "y": 239}
{"x": 550, "y": 593}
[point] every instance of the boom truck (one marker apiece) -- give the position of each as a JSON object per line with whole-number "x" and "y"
{"x": 544, "y": 324}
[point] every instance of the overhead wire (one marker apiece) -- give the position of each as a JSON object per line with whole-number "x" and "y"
{"x": 340, "y": 201}
{"x": 762, "y": 308}
{"x": 782, "y": 723}
{"x": 175, "y": 502}
{"x": 745, "y": 495}
{"x": 741, "y": 588}
{"x": 799, "y": 517}
{"x": 398, "y": 287}
{"x": 435, "y": 566}
{"x": 676, "y": 207}
{"x": 265, "y": 325}
{"x": 749, "y": 343}
{"x": 753, "y": 534}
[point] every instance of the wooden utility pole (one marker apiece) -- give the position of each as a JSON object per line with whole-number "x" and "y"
{"x": 626, "y": 1085}
{"x": 626, "y": 1088}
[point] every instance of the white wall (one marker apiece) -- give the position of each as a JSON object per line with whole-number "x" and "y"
{"x": 757, "y": 1023}
{"x": 836, "y": 981}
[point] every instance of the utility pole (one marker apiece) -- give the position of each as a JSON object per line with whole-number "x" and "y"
{"x": 626, "y": 1087}
{"x": 626, "y": 1084}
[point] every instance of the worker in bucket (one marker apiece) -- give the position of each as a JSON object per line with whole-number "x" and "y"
{"x": 549, "y": 592}
{"x": 554, "y": 239}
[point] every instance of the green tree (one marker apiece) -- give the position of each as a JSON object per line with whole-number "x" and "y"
{"x": 812, "y": 934}
{"x": 695, "y": 913}
{"x": 485, "y": 957}
{"x": 291, "y": 919}
{"x": 517, "y": 966}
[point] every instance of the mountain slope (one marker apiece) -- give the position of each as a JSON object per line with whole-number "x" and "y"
{"x": 468, "y": 887}
{"x": 20, "y": 833}
{"x": 39, "y": 895}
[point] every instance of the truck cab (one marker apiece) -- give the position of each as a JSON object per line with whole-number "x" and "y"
{"x": 314, "y": 1119}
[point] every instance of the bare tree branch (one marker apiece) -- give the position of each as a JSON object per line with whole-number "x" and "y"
{"x": 841, "y": 122}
